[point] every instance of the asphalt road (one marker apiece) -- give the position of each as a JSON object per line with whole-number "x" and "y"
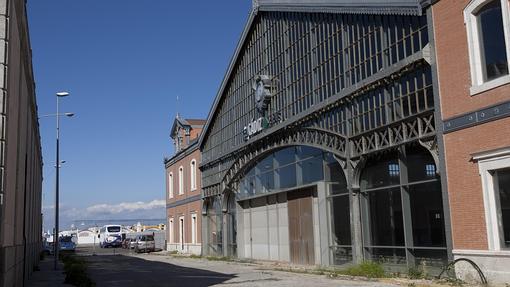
{"x": 120, "y": 267}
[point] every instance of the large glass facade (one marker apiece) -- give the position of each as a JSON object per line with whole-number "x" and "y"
{"x": 298, "y": 166}
{"x": 284, "y": 169}
{"x": 214, "y": 226}
{"x": 402, "y": 209}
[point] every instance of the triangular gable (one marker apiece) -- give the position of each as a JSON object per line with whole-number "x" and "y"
{"x": 377, "y": 7}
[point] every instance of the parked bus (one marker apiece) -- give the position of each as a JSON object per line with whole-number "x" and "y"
{"x": 110, "y": 236}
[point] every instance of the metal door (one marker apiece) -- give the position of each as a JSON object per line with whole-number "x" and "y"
{"x": 301, "y": 227}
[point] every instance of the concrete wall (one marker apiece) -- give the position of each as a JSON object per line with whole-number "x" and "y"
{"x": 20, "y": 150}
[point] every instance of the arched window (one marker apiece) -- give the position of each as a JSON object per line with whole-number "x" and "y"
{"x": 181, "y": 180}
{"x": 170, "y": 185}
{"x": 403, "y": 209}
{"x": 488, "y": 29}
{"x": 193, "y": 174}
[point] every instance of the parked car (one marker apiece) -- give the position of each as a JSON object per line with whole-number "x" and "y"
{"x": 66, "y": 243}
{"x": 129, "y": 243}
{"x": 145, "y": 243}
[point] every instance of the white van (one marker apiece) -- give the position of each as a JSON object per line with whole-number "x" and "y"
{"x": 110, "y": 236}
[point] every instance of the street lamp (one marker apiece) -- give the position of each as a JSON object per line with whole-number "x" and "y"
{"x": 57, "y": 168}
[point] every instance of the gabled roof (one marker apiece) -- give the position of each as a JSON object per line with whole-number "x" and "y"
{"x": 378, "y": 7}
{"x": 399, "y": 7}
{"x": 186, "y": 123}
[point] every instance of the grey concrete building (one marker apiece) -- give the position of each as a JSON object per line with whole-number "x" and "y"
{"x": 20, "y": 150}
{"x": 321, "y": 147}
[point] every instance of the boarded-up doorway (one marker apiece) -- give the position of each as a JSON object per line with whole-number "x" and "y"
{"x": 301, "y": 227}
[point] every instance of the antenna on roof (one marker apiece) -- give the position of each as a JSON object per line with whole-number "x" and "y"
{"x": 177, "y": 106}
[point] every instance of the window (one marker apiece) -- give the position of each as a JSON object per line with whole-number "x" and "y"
{"x": 181, "y": 231}
{"x": 171, "y": 230}
{"x": 194, "y": 228}
{"x": 170, "y": 185}
{"x": 193, "y": 174}
{"x": 487, "y": 23}
{"x": 494, "y": 168}
{"x": 181, "y": 180}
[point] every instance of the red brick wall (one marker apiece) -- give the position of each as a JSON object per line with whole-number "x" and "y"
{"x": 464, "y": 182}
{"x": 186, "y": 209}
{"x": 453, "y": 62}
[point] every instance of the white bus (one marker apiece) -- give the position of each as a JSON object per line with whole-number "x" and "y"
{"x": 110, "y": 236}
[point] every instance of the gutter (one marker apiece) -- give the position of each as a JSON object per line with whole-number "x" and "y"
{"x": 4, "y": 34}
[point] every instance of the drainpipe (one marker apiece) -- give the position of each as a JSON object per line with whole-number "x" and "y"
{"x": 4, "y": 32}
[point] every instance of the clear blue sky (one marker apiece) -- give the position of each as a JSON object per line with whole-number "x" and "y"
{"x": 124, "y": 63}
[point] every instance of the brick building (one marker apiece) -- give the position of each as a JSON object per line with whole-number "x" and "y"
{"x": 20, "y": 150}
{"x": 472, "y": 44}
{"x": 183, "y": 192}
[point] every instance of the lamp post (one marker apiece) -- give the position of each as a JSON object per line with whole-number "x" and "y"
{"x": 57, "y": 168}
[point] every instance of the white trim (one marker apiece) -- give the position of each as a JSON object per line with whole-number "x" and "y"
{"x": 171, "y": 230}
{"x": 489, "y": 162}
{"x": 469, "y": 252}
{"x": 182, "y": 237}
{"x": 475, "y": 57}
{"x": 193, "y": 174}
{"x": 194, "y": 224}
{"x": 171, "y": 185}
{"x": 181, "y": 180}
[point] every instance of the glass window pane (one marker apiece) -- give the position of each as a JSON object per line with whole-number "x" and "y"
{"x": 287, "y": 176}
{"x": 388, "y": 255}
{"x": 304, "y": 152}
{"x": 311, "y": 170}
{"x": 420, "y": 165}
{"x": 504, "y": 200}
{"x": 341, "y": 220}
{"x": 427, "y": 215}
{"x": 334, "y": 173}
{"x": 265, "y": 165}
{"x": 433, "y": 259}
{"x": 285, "y": 156}
{"x": 386, "y": 222}
{"x": 265, "y": 182}
{"x": 341, "y": 255}
{"x": 381, "y": 173}
{"x": 339, "y": 189}
{"x": 492, "y": 41}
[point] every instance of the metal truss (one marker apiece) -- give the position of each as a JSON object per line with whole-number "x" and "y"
{"x": 418, "y": 127}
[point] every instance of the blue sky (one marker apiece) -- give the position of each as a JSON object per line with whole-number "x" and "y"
{"x": 124, "y": 63}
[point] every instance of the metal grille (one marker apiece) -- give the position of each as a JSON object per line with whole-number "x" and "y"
{"x": 315, "y": 56}
{"x": 312, "y": 56}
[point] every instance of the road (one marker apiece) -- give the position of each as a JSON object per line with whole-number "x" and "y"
{"x": 120, "y": 267}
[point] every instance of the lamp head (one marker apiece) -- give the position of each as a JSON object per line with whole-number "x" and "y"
{"x": 62, "y": 94}
{"x": 69, "y": 114}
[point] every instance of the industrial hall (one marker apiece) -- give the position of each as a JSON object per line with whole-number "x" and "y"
{"x": 321, "y": 146}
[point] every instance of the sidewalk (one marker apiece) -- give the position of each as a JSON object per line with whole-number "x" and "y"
{"x": 46, "y": 276}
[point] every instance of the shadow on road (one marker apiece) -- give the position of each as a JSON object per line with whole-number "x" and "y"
{"x": 121, "y": 270}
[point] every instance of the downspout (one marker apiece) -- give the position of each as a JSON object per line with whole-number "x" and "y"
{"x": 4, "y": 34}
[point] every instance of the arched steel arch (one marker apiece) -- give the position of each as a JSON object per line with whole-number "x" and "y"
{"x": 313, "y": 137}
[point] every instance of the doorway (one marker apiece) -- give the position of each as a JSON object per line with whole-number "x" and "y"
{"x": 301, "y": 226}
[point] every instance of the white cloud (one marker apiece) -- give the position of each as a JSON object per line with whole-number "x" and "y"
{"x": 124, "y": 207}
{"x": 103, "y": 211}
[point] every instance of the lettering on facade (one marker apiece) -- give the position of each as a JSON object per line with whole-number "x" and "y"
{"x": 263, "y": 94}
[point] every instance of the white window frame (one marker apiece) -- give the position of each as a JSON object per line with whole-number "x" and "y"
{"x": 171, "y": 185}
{"x": 475, "y": 56}
{"x": 194, "y": 224}
{"x": 171, "y": 230}
{"x": 181, "y": 180}
{"x": 182, "y": 228}
{"x": 193, "y": 174}
{"x": 488, "y": 163}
